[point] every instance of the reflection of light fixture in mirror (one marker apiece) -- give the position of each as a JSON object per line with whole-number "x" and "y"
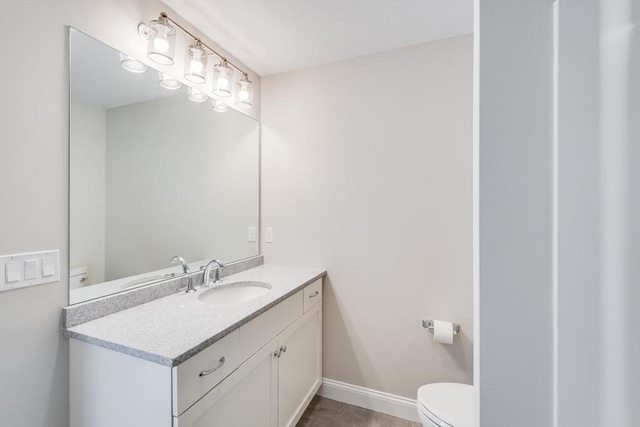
{"x": 161, "y": 39}
{"x": 222, "y": 74}
{"x": 197, "y": 96}
{"x": 244, "y": 96}
{"x": 219, "y": 106}
{"x": 132, "y": 64}
{"x": 195, "y": 67}
{"x": 168, "y": 82}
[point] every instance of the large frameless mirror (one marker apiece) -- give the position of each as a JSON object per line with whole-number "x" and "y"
{"x": 152, "y": 175}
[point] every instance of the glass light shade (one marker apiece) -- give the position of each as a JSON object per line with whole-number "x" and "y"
{"x": 222, "y": 75}
{"x": 161, "y": 41}
{"x": 219, "y": 106}
{"x": 168, "y": 82}
{"x": 195, "y": 66}
{"x": 244, "y": 93}
{"x": 132, "y": 64}
{"x": 197, "y": 96}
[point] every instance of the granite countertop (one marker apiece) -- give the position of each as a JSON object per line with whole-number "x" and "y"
{"x": 173, "y": 329}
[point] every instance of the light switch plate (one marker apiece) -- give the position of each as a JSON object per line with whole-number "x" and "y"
{"x": 252, "y": 234}
{"x": 27, "y": 272}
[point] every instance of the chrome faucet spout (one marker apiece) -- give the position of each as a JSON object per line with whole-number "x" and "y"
{"x": 207, "y": 272}
{"x": 185, "y": 270}
{"x": 185, "y": 266}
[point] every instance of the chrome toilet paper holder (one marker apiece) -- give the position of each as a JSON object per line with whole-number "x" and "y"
{"x": 428, "y": 325}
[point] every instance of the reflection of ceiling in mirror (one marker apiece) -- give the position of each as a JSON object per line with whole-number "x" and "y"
{"x": 98, "y": 79}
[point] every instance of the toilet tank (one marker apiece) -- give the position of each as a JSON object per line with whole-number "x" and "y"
{"x": 78, "y": 277}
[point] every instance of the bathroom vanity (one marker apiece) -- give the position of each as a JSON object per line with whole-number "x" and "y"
{"x": 177, "y": 361}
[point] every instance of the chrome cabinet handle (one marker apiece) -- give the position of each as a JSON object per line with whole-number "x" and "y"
{"x": 283, "y": 349}
{"x": 215, "y": 368}
{"x": 315, "y": 294}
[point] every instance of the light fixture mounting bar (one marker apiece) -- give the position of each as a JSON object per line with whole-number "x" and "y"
{"x": 164, "y": 15}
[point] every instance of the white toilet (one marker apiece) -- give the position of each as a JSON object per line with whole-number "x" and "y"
{"x": 78, "y": 277}
{"x": 445, "y": 405}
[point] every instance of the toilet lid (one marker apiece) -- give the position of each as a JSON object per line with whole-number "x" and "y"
{"x": 450, "y": 402}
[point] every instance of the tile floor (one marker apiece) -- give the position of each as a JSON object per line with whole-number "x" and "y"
{"x": 323, "y": 412}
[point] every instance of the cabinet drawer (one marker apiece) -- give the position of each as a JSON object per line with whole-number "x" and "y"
{"x": 195, "y": 377}
{"x": 312, "y": 294}
{"x": 258, "y": 332}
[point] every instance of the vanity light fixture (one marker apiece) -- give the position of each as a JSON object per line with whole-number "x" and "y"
{"x": 222, "y": 75}
{"x": 132, "y": 64}
{"x": 160, "y": 35}
{"x": 244, "y": 95}
{"x": 219, "y": 106}
{"x": 168, "y": 82}
{"x": 161, "y": 39}
{"x": 197, "y": 96}
{"x": 195, "y": 67}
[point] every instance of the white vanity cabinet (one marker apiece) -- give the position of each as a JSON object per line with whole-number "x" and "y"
{"x": 248, "y": 397}
{"x": 264, "y": 373}
{"x": 300, "y": 366}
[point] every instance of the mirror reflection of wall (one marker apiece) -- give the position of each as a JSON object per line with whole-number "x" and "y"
{"x": 152, "y": 174}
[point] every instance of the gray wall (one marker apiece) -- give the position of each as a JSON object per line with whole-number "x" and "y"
{"x": 598, "y": 213}
{"x": 366, "y": 171}
{"x": 515, "y": 213}
{"x": 559, "y": 213}
{"x": 34, "y": 96}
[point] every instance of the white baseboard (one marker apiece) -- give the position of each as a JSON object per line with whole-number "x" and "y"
{"x": 378, "y": 401}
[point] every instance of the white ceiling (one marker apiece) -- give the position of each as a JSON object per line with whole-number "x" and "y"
{"x": 275, "y": 36}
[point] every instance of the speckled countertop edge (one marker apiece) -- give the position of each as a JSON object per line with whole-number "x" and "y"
{"x": 100, "y": 332}
{"x": 87, "y": 311}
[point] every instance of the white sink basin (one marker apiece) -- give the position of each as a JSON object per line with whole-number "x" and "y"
{"x": 231, "y": 293}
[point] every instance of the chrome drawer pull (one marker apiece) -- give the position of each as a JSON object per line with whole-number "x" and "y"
{"x": 315, "y": 294}
{"x": 220, "y": 363}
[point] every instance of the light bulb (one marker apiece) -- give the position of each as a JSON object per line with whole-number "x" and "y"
{"x": 223, "y": 83}
{"x": 222, "y": 75}
{"x": 243, "y": 95}
{"x": 195, "y": 66}
{"x": 160, "y": 44}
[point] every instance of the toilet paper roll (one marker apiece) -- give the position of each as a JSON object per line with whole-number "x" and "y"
{"x": 443, "y": 332}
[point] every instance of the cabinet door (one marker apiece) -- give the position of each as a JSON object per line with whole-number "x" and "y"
{"x": 300, "y": 366}
{"x": 246, "y": 398}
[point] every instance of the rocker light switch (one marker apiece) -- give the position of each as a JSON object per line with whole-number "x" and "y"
{"x": 12, "y": 272}
{"x": 30, "y": 269}
{"x": 48, "y": 268}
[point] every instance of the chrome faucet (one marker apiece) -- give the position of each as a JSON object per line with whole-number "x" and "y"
{"x": 185, "y": 270}
{"x": 207, "y": 272}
